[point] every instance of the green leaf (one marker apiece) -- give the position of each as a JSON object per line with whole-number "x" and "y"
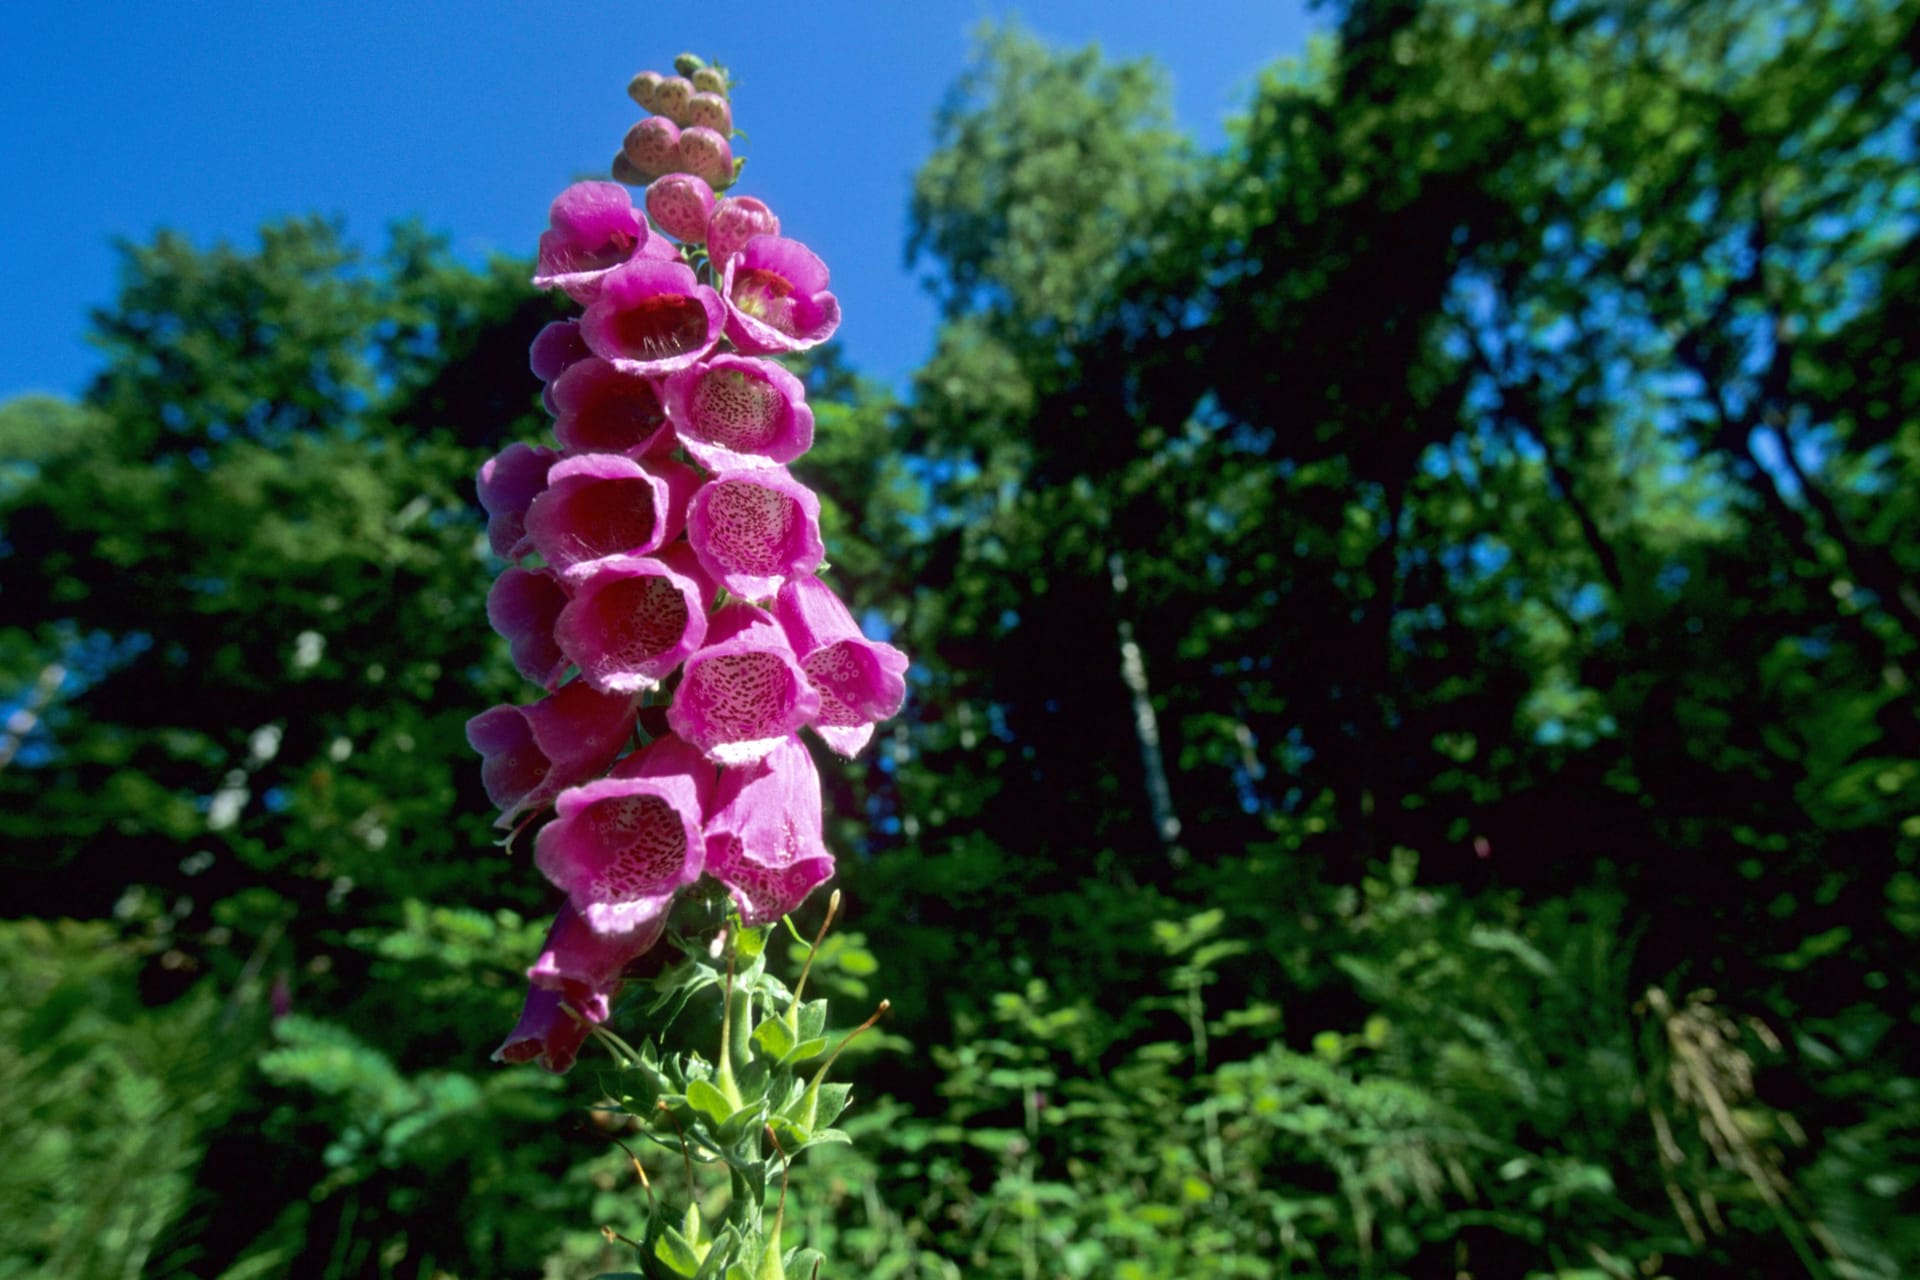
{"x": 813, "y": 1019}
{"x": 709, "y": 1101}
{"x": 829, "y": 1137}
{"x": 750, "y": 944}
{"x": 747, "y": 1119}
{"x": 833, "y": 1100}
{"x": 803, "y": 1051}
{"x": 801, "y": 1261}
{"x": 791, "y": 1135}
{"x": 676, "y": 1254}
{"x": 774, "y": 1037}
{"x": 719, "y": 1253}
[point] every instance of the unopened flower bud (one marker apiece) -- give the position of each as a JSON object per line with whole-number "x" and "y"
{"x": 671, "y": 98}
{"x": 652, "y": 147}
{"x": 736, "y": 220}
{"x": 643, "y": 87}
{"x": 680, "y": 204}
{"x": 709, "y": 80}
{"x": 708, "y": 155}
{"x": 710, "y": 110}
{"x": 623, "y": 171}
{"x": 688, "y": 63}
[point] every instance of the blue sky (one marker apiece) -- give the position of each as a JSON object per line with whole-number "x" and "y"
{"x": 213, "y": 117}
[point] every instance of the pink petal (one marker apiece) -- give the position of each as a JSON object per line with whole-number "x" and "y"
{"x": 508, "y": 483}
{"x": 586, "y": 966}
{"x": 764, "y": 840}
{"x": 860, "y": 681}
{"x": 621, "y": 847}
{"x": 707, "y": 154}
{"x": 743, "y": 692}
{"x": 555, "y": 348}
{"x": 602, "y": 504}
{"x": 711, "y": 111}
{"x": 776, "y": 297}
{"x": 755, "y": 529}
{"x": 653, "y": 318}
{"x": 549, "y": 1032}
{"x": 736, "y": 412}
{"x": 633, "y": 620}
{"x": 523, "y": 607}
{"x": 736, "y": 220}
{"x": 600, "y": 409}
{"x": 671, "y": 96}
{"x": 528, "y": 754}
{"x": 681, "y": 203}
{"x": 653, "y": 146}
{"x": 593, "y": 229}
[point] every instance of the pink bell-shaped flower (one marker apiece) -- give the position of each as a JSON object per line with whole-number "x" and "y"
{"x": 776, "y": 295}
{"x": 753, "y": 530}
{"x": 860, "y": 681}
{"x": 621, "y": 847}
{"x": 743, "y": 692}
{"x": 523, "y": 606}
{"x": 508, "y": 483}
{"x": 602, "y": 504}
{"x": 734, "y": 221}
{"x": 653, "y": 318}
{"x": 556, "y": 348}
{"x": 601, "y": 409}
{"x": 593, "y": 229}
{"x": 633, "y": 619}
{"x": 736, "y": 412}
{"x": 585, "y": 966}
{"x": 764, "y": 839}
{"x": 550, "y": 1032}
{"x": 530, "y": 754}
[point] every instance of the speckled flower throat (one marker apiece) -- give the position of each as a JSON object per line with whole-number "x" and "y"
{"x": 661, "y": 570}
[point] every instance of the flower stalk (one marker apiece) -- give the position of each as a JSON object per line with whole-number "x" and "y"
{"x": 661, "y": 589}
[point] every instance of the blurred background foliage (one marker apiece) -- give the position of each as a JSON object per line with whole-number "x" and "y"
{"x": 1412, "y": 767}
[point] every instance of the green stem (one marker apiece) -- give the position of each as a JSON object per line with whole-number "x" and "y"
{"x": 810, "y": 1103}
{"x": 792, "y": 1018}
{"x": 723, "y": 1078}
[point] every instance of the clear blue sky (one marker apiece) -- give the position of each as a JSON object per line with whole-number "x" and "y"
{"x": 214, "y": 116}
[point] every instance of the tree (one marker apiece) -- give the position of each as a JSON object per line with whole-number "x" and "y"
{"x": 1467, "y": 441}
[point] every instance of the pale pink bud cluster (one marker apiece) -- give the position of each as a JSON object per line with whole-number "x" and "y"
{"x": 689, "y": 131}
{"x": 662, "y": 570}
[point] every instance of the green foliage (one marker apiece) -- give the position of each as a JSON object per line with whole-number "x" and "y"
{"x": 1456, "y": 463}
{"x": 102, "y": 1143}
{"x": 245, "y": 583}
{"x": 1048, "y": 171}
{"x": 750, "y": 1105}
{"x": 1498, "y": 1094}
{"x": 1503, "y": 451}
